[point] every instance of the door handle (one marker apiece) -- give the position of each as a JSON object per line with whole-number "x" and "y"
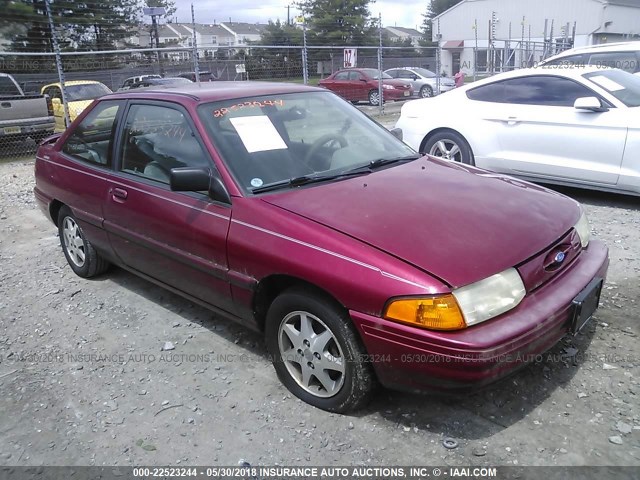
{"x": 119, "y": 194}
{"x": 512, "y": 120}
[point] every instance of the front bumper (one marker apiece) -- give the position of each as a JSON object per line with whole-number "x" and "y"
{"x": 396, "y": 94}
{"x": 413, "y": 359}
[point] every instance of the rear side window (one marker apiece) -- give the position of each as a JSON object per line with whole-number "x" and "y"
{"x": 568, "y": 61}
{"x": 341, "y": 76}
{"x": 534, "y": 90}
{"x": 627, "y": 61}
{"x": 7, "y": 87}
{"x": 91, "y": 140}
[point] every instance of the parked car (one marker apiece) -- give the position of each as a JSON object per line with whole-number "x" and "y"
{"x": 80, "y": 94}
{"x": 21, "y": 115}
{"x": 205, "y": 76}
{"x": 284, "y": 208}
{"x": 569, "y": 126}
{"x": 623, "y": 55}
{"x": 361, "y": 84}
{"x": 126, "y": 85}
{"x": 161, "y": 82}
{"x": 424, "y": 82}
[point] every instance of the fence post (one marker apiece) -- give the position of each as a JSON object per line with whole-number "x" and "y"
{"x": 56, "y": 49}
{"x": 438, "y": 59}
{"x": 380, "y": 93}
{"x": 305, "y": 71}
{"x": 196, "y": 68}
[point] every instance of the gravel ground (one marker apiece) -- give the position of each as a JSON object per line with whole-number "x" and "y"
{"x": 83, "y": 380}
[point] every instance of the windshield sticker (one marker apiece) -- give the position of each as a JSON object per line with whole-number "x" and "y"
{"x": 607, "y": 83}
{"x": 258, "y": 133}
{"x": 221, "y": 112}
{"x": 256, "y": 182}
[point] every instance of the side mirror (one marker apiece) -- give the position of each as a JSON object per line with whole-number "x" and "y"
{"x": 589, "y": 104}
{"x": 198, "y": 179}
{"x": 396, "y": 132}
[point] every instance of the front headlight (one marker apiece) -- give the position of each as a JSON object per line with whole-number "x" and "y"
{"x": 583, "y": 229}
{"x": 463, "y": 307}
{"x": 388, "y": 87}
{"x": 490, "y": 297}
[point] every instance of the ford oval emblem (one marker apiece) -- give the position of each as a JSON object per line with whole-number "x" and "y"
{"x": 559, "y": 258}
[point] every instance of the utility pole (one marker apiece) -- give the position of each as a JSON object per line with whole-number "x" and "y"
{"x": 196, "y": 66}
{"x": 56, "y": 50}
{"x": 155, "y": 12}
{"x": 289, "y": 14}
{"x": 380, "y": 93}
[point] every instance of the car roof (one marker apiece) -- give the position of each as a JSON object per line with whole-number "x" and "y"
{"x": 74, "y": 82}
{"x": 603, "y": 47}
{"x": 214, "y": 91}
{"x": 552, "y": 70}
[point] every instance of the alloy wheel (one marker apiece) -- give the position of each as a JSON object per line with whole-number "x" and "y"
{"x": 73, "y": 242}
{"x": 446, "y": 149}
{"x": 311, "y": 353}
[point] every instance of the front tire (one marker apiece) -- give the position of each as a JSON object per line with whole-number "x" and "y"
{"x": 83, "y": 259}
{"x": 374, "y": 98}
{"x": 316, "y": 352}
{"x": 449, "y": 145}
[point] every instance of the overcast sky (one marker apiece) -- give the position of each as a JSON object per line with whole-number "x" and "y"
{"x": 401, "y": 13}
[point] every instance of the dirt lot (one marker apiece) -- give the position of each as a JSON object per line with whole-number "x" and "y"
{"x": 83, "y": 380}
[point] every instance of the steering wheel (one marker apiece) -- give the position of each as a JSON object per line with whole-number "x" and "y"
{"x": 324, "y": 140}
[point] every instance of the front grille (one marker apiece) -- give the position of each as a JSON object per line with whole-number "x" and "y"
{"x": 553, "y": 260}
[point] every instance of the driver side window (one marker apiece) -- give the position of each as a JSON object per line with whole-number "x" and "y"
{"x": 157, "y": 139}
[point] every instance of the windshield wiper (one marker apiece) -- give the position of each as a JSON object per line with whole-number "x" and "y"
{"x": 306, "y": 179}
{"x": 381, "y": 162}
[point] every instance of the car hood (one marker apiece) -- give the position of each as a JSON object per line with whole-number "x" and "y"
{"x": 458, "y": 223}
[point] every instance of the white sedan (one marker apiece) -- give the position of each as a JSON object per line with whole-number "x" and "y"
{"x": 569, "y": 126}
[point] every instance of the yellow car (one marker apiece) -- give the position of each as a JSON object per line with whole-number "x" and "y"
{"x": 80, "y": 94}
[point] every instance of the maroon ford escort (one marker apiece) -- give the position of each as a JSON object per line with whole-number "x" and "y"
{"x": 286, "y": 209}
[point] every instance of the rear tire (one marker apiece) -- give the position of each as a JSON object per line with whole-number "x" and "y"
{"x": 83, "y": 259}
{"x": 316, "y": 351}
{"x": 426, "y": 91}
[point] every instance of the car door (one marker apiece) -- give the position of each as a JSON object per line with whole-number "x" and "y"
{"x": 58, "y": 109}
{"x": 340, "y": 84}
{"x": 542, "y": 135}
{"x": 411, "y": 78}
{"x": 358, "y": 87}
{"x": 86, "y": 165}
{"x": 176, "y": 238}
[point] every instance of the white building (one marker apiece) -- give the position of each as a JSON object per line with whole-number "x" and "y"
{"x": 400, "y": 34}
{"x": 515, "y": 33}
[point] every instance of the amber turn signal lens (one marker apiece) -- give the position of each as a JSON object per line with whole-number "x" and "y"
{"x": 435, "y": 313}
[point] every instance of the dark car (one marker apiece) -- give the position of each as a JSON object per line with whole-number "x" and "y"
{"x": 160, "y": 82}
{"x": 204, "y": 76}
{"x": 286, "y": 209}
{"x": 128, "y": 82}
{"x": 361, "y": 84}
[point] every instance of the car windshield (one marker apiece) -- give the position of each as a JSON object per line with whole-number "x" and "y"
{"x": 290, "y": 139}
{"x": 622, "y": 85}
{"x": 373, "y": 73}
{"x": 87, "y": 91}
{"x": 424, "y": 72}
